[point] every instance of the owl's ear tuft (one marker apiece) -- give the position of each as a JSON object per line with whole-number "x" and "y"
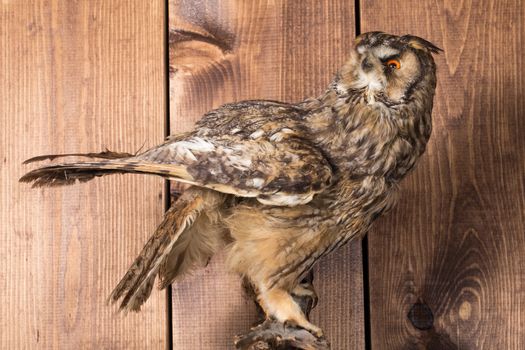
{"x": 418, "y": 43}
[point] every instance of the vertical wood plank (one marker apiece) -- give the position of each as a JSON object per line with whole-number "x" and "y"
{"x": 224, "y": 51}
{"x": 77, "y": 76}
{"x": 456, "y": 241}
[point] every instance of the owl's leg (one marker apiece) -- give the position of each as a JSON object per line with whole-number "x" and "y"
{"x": 278, "y": 303}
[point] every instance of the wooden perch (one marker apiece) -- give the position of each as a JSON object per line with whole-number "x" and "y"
{"x": 274, "y": 335}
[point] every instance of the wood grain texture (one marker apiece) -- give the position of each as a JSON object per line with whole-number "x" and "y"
{"x": 224, "y": 51}
{"x": 455, "y": 242}
{"x": 77, "y": 76}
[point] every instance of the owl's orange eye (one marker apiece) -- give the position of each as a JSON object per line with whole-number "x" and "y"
{"x": 394, "y": 64}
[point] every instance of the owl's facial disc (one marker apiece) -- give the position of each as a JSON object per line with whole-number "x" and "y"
{"x": 384, "y": 74}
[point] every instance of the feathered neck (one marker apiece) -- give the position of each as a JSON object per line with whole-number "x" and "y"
{"x": 371, "y": 138}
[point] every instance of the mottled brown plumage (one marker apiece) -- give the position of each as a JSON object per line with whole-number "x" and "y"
{"x": 281, "y": 184}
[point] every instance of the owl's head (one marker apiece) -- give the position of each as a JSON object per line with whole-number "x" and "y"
{"x": 388, "y": 69}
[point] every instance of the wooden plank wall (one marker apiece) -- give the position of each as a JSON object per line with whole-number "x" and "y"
{"x": 77, "y": 76}
{"x": 223, "y": 51}
{"x": 445, "y": 267}
{"x": 454, "y": 246}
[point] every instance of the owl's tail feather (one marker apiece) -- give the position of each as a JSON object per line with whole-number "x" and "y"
{"x": 188, "y": 236}
{"x": 135, "y": 287}
{"x": 69, "y": 173}
{"x": 178, "y": 244}
{"x": 107, "y": 154}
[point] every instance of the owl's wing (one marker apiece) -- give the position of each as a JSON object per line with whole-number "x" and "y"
{"x": 281, "y": 169}
{"x": 249, "y": 149}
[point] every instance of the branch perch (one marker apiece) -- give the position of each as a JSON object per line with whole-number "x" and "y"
{"x": 274, "y": 335}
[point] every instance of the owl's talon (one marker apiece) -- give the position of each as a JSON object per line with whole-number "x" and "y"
{"x": 288, "y": 324}
{"x": 314, "y": 330}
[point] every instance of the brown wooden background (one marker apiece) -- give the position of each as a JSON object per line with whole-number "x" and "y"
{"x": 444, "y": 270}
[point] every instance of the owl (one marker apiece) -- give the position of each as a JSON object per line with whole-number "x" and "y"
{"x": 280, "y": 185}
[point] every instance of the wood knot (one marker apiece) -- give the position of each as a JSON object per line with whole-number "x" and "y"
{"x": 465, "y": 310}
{"x": 420, "y": 315}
